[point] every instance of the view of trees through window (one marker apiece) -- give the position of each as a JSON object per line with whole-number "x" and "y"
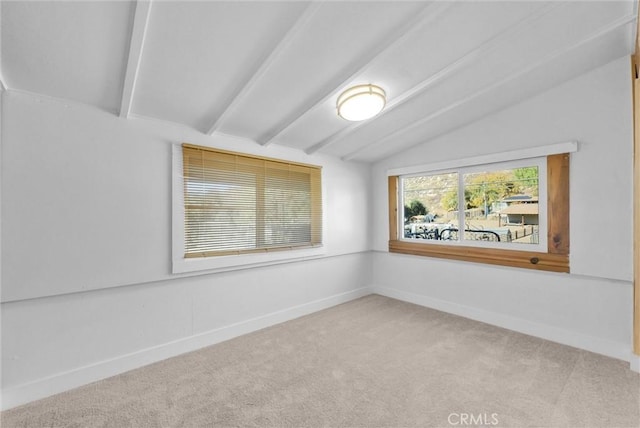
{"x": 499, "y": 205}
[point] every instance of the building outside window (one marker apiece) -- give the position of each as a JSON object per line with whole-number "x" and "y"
{"x": 501, "y": 205}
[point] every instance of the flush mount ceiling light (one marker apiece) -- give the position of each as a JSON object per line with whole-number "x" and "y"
{"x": 361, "y": 102}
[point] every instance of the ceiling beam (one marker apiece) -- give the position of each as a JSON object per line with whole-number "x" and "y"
{"x": 266, "y": 65}
{"x": 443, "y": 74}
{"x": 427, "y": 14}
{"x": 136, "y": 45}
{"x": 612, "y": 26}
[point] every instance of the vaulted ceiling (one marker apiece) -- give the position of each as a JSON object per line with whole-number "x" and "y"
{"x": 271, "y": 71}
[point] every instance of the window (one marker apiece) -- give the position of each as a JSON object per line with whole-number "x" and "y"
{"x": 235, "y": 203}
{"x": 501, "y": 203}
{"x": 228, "y": 204}
{"x": 512, "y": 213}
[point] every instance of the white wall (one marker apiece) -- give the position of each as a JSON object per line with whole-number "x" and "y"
{"x": 591, "y": 307}
{"x": 86, "y": 249}
{"x": 86, "y": 285}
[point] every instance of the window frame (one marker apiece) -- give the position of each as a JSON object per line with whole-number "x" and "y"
{"x": 237, "y": 260}
{"x": 556, "y": 256}
{"x": 539, "y": 162}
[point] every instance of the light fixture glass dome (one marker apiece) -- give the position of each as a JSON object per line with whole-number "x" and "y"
{"x": 361, "y": 102}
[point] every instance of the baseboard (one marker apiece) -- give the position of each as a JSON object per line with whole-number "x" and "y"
{"x": 634, "y": 363}
{"x": 609, "y": 348}
{"x": 61, "y": 382}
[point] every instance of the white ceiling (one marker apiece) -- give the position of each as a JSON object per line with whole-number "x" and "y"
{"x": 271, "y": 71}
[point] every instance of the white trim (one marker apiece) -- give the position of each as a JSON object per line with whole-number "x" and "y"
{"x": 60, "y": 382}
{"x": 222, "y": 263}
{"x": 609, "y": 348}
{"x": 136, "y": 45}
{"x": 634, "y": 363}
{"x": 245, "y": 261}
{"x": 177, "y": 206}
{"x": 512, "y": 155}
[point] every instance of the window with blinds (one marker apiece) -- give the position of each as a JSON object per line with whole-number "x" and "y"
{"x": 236, "y": 203}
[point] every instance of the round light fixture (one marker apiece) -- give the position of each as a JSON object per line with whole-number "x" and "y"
{"x": 361, "y": 102}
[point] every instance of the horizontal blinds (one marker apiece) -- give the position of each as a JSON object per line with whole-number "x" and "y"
{"x": 237, "y": 203}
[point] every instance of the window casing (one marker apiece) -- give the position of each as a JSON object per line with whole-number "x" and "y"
{"x": 233, "y": 210}
{"x": 549, "y": 250}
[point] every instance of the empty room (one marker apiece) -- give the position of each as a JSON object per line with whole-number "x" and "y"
{"x": 319, "y": 213}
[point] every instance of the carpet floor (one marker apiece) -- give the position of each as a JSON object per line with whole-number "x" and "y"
{"x": 372, "y": 362}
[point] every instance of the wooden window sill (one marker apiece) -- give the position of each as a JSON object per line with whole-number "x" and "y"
{"x": 494, "y": 256}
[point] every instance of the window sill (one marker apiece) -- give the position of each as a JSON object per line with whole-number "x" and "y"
{"x": 244, "y": 261}
{"x": 513, "y": 258}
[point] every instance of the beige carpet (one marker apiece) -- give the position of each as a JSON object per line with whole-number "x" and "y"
{"x": 373, "y": 362}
